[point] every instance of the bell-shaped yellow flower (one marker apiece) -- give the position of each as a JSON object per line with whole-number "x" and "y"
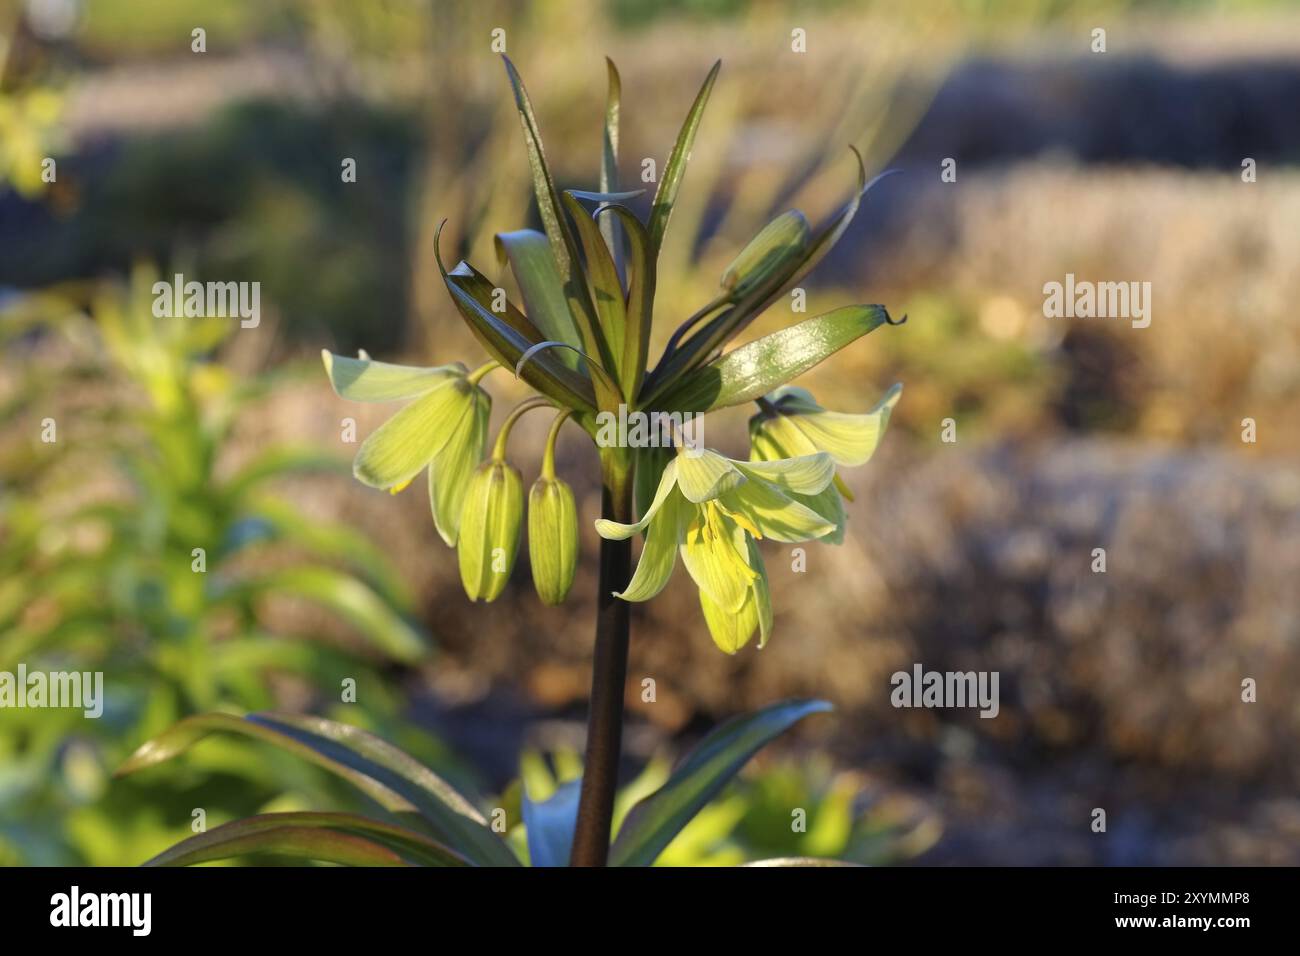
{"x": 710, "y": 509}
{"x": 793, "y": 423}
{"x": 444, "y": 428}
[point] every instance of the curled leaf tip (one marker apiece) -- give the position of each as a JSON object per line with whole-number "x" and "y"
{"x": 889, "y": 321}
{"x": 534, "y": 349}
{"x": 437, "y": 250}
{"x": 878, "y": 177}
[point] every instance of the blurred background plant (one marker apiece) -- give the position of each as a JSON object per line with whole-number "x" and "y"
{"x": 1071, "y": 434}
{"x": 133, "y": 546}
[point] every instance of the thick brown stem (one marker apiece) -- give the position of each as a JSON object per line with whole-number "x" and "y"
{"x": 608, "y": 676}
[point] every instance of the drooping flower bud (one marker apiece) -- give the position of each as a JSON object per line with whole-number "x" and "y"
{"x": 552, "y": 538}
{"x": 489, "y": 529}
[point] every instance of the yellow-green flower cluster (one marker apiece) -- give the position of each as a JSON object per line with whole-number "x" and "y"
{"x": 477, "y": 502}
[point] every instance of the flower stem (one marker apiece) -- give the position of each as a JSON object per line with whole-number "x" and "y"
{"x": 608, "y": 672}
{"x": 548, "y": 457}
{"x": 527, "y": 405}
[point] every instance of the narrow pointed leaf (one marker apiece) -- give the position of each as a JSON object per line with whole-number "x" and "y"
{"x": 564, "y": 246}
{"x": 529, "y": 254}
{"x": 753, "y": 370}
{"x": 597, "y": 372}
{"x": 346, "y": 838}
{"x": 610, "y": 228}
{"x": 295, "y": 843}
{"x": 393, "y": 779}
{"x": 652, "y": 823}
{"x": 485, "y": 294}
{"x": 675, "y": 168}
{"x": 603, "y": 285}
{"x": 548, "y": 200}
{"x": 701, "y": 346}
{"x": 550, "y": 825}
{"x": 453, "y": 819}
{"x": 185, "y": 733}
{"x": 640, "y": 300}
{"x": 506, "y": 345}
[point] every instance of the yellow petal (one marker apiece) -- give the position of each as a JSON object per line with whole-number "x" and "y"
{"x": 779, "y": 516}
{"x": 452, "y": 467}
{"x": 709, "y": 551}
{"x": 615, "y": 531}
{"x": 364, "y": 380}
{"x": 850, "y": 439}
{"x": 705, "y": 474}
{"x": 401, "y": 447}
{"x": 659, "y": 554}
{"x": 730, "y": 629}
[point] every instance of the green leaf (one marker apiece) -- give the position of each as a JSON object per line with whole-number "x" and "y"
{"x": 603, "y": 285}
{"x": 700, "y": 347}
{"x": 506, "y": 345}
{"x": 640, "y": 301}
{"x": 550, "y": 825}
{"x": 564, "y": 246}
{"x": 753, "y": 370}
{"x": 346, "y": 838}
{"x": 394, "y": 779}
{"x": 652, "y": 823}
{"x": 184, "y": 734}
{"x": 351, "y": 599}
{"x": 533, "y": 265}
{"x": 453, "y": 819}
{"x": 484, "y": 292}
{"x": 675, "y": 168}
{"x": 548, "y": 200}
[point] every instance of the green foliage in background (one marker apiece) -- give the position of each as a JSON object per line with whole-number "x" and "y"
{"x": 99, "y": 572}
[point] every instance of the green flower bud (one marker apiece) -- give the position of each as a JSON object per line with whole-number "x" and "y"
{"x": 776, "y": 245}
{"x": 552, "y": 538}
{"x": 489, "y": 529}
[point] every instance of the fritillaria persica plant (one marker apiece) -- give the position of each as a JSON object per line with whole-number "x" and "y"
{"x": 582, "y": 341}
